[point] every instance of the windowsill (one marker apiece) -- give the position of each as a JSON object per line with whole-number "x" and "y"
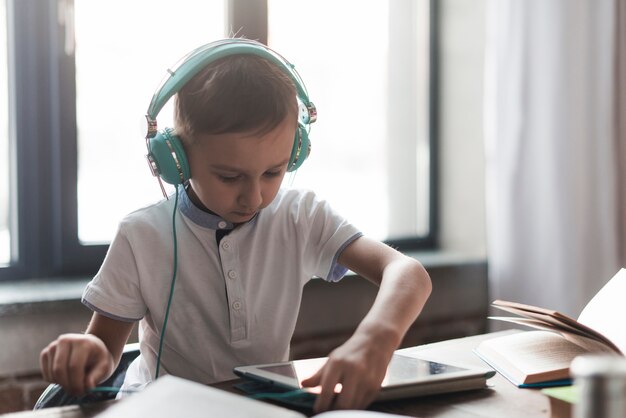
{"x": 437, "y": 259}
{"x": 38, "y": 295}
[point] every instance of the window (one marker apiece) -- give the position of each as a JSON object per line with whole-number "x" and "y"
{"x": 367, "y": 73}
{"x": 117, "y": 71}
{"x": 84, "y": 75}
{"x": 5, "y": 235}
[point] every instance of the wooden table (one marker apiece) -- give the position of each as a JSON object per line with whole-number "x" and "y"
{"x": 501, "y": 399}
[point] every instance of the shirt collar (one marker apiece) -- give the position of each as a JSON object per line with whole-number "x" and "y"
{"x": 199, "y": 216}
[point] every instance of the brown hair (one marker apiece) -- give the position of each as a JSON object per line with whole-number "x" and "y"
{"x": 238, "y": 93}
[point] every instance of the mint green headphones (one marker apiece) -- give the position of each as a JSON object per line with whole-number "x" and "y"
{"x": 166, "y": 155}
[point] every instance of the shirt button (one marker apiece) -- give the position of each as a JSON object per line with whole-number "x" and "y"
{"x": 236, "y": 305}
{"x": 225, "y": 245}
{"x": 222, "y": 225}
{"x": 232, "y": 274}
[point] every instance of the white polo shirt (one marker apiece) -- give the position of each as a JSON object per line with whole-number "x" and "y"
{"x": 233, "y": 305}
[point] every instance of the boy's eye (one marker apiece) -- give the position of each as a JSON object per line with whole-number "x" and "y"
{"x": 228, "y": 179}
{"x": 273, "y": 173}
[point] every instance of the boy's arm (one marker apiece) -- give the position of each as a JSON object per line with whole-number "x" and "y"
{"x": 360, "y": 364}
{"x": 79, "y": 362}
{"x": 113, "y": 333}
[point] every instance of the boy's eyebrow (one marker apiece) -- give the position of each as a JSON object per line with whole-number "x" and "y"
{"x": 229, "y": 168}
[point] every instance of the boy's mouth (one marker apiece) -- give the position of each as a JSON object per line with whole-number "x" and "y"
{"x": 245, "y": 214}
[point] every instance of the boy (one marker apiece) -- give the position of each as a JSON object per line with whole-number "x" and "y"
{"x": 244, "y": 248}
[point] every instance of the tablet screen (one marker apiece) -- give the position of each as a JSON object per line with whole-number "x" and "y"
{"x": 401, "y": 370}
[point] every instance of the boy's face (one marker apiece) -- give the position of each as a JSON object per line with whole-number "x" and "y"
{"x": 237, "y": 174}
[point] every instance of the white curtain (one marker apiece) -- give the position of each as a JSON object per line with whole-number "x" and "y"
{"x": 553, "y": 185}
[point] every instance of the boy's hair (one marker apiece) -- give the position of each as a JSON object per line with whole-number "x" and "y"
{"x": 239, "y": 93}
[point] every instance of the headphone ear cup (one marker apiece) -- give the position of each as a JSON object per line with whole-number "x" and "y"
{"x": 167, "y": 157}
{"x": 301, "y": 148}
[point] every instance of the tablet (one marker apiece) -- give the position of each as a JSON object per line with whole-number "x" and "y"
{"x": 406, "y": 376}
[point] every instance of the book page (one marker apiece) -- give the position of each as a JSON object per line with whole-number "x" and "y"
{"x": 536, "y": 351}
{"x": 555, "y": 318}
{"x": 357, "y": 414}
{"x": 171, "y": 396}
{"x": 536, "y": 323}
{"x": 539, "y": 316}
{"x": 588, "y": 343}
{"x": 606, "y": 311}
{"x": 530, "y": 310}
{"x": 531, "y": 356}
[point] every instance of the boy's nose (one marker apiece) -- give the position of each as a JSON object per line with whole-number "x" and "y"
{"x": 251, "y": 197}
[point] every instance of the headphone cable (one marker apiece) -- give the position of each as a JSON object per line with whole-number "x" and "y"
{"x": 169, "y": 301}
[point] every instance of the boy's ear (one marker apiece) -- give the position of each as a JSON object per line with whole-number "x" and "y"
{"x": 167, "y": 158}
{"x": 301, "y": 148}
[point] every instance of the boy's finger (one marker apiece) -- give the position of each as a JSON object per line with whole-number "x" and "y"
{"x": 346, "y": 399}
{"x": 96, "y": 373}
{"x": 44, "y": 358}
{"x": 76, "y": 366}
{"x": 363, "y": 398}
{"x": 368, "y": 398}
{"x": 58, "y": 365}
{"x": 50, "y": 363}
{"x": 313, "y": 380}
{"x": 325, "y": 399}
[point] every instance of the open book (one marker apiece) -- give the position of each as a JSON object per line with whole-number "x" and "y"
{"x": 542, "y": 358}
{"x": 171, "y": 396}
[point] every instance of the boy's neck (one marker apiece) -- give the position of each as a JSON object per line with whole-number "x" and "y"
{"x": 194, "y": 199}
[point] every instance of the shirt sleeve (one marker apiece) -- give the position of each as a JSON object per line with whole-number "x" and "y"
{"x": 328, "y": 235}
{"x": 114, "y": 291}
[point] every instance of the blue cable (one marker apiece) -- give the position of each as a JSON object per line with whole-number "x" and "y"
{"x": 282, "y": 395}
{"x": 111, "y": 389}
{"x": 169, "y": 301}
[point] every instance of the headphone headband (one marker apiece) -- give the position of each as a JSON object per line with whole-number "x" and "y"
{"x": 196, "y": 60}
{"x": 166, "y": 154}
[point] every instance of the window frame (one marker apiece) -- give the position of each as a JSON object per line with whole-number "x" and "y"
{"x": 43, "y": 139}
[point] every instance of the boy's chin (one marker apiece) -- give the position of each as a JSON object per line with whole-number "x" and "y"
{"x": 239, "y": 217}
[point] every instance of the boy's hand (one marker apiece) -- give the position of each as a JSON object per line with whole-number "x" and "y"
{"x": 77, "y": 362}
{"x": 359, "y": 367}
